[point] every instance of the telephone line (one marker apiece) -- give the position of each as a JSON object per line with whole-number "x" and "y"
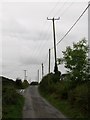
{"x": 65, "y": 10}
{"x": 73, "y": 24}
{"x": 53, "y": 8}
{"x": 43, "y": 36}
{"x": 60, "y": 9}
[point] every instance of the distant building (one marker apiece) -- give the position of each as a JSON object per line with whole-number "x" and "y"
{"x": 65, "y": 76}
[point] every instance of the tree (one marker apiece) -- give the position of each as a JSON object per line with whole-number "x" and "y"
{"x": 25, "y": 84}
{"x": 75, "y": 60}
{"x": 19, "y": 83}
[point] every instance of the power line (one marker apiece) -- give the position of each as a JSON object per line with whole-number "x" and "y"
{"x": 40, "y": 49}
{"x": 46, "y": 36}
{"x": 73, "y": 24}
{"x": 37, "y": 52}
{"x": 41, "y": 45}
{"x": 65, "y": 10}
{"x": 60, "y": 9}
{"x": 53, "y": 8}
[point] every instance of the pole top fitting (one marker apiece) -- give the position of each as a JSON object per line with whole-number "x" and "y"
{"x": 53, "y": 18}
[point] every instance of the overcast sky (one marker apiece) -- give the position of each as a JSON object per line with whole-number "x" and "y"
{"x": 27, "y": 34}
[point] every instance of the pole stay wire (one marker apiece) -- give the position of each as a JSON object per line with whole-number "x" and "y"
{"x": 72, "y": 25}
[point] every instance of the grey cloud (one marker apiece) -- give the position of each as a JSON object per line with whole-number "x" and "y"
{"x": 29, "y": 61}
{"x": 23, "y": 34}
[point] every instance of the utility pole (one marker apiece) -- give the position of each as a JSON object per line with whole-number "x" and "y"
{"x": 25, "y": 77}
{"x": 49, "y": 59}
{"x": 89, "y": 37}
{"x": 42, "y": 70}
{"x": 53, "y": 19}
{"x": 89, "y": 29}
{"x": 38, "y": 76}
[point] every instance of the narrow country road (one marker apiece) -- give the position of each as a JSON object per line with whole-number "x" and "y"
{"x": 37, "y": 107}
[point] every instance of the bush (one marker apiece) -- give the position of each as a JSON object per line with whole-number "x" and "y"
{"x": 34, "y": 83}
{"x": 74, "y": 92}
{"x": 9, "y": 95}
{"x": 79, "y": 97}
{"x": 25, "y": 84}
{"x": 12, "y": 102}
{"x": 62, "y": 89}
{"x": 46, "y": 83}
{"x": 56, "y": 77}
{"x": 18, "y": 83}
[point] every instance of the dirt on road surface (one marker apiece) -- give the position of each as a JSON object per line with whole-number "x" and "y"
{"x": 37, "y": 107}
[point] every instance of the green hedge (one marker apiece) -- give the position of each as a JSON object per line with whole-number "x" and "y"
{"x": 12, "y": 103}
{"x": 79, "y": 98}
{"x": 75, "y": 93}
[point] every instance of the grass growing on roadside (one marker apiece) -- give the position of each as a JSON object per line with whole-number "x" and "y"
{"x": 63, "y": 106}
{"x": 14, "y": 110}
{"x": 12, "y": 102}
{"x": 70, "y": 97}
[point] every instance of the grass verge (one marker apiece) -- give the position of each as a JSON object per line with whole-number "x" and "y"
{"x": 12, "y": 101}
{"x": 64, "y": 107}
{"x": 14, "y": 110}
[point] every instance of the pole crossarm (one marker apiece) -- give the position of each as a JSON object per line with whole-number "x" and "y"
{"x": 53, "y": 18}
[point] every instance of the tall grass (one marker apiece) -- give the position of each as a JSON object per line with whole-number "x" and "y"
{"x": 68, "y": 96}
{"x": 12, "y": 102}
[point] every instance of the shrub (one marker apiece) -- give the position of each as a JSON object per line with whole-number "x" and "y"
{"x": 18, "y": 83}
{"x": 12, "y": 102}
{"x": 79, "y": 97}
{"x": 25, "y": 84}
{"x": 62, "y": 89}
{"x": 34, "y": 83}
{"x": 46, "y": 82}
{"x": 9, "y": 95}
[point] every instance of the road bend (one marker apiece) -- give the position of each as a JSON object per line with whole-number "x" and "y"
{"x": 37, "y": 107}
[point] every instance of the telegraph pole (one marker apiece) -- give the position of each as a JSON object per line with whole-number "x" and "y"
{"x": 42, "y": 70}
{"x": 53, "y": 19}
{"x": 25, "y": 77}
{"x": 89, "y": 37}
{"x": 49, "y": 59}
{"x": 38, "y": 76}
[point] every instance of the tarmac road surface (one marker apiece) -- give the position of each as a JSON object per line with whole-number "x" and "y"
{"x": 37, "y": 107}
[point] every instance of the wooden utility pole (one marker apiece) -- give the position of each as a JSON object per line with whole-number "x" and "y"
{"x": 53, "y": 19}
{"x": 89, "y": 37}
{"x": 49, "y": 59}
{"x": 42, "y": 70}
{"x": 89, "y": 30}
{"x": 38, "y": 76}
